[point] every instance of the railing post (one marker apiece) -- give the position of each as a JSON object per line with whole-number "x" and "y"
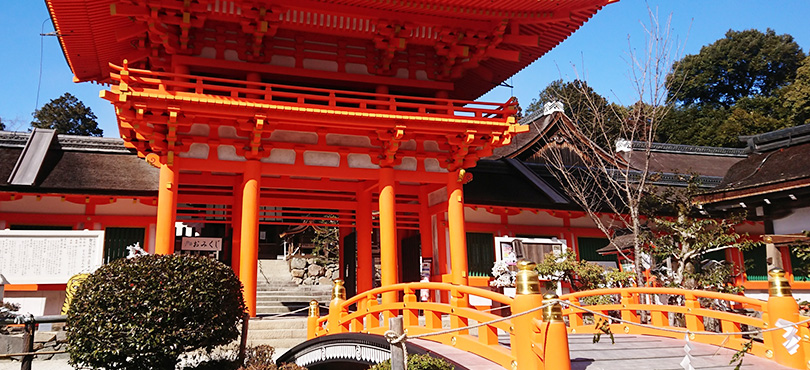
{"x": 555, "y": 336}
{"x": 335, "y": 310}
{"x": 28, "y": 343}
{"x": 524, "y": 327}
{"x": 312, "y": 319}
{"x": 781, "y": 305}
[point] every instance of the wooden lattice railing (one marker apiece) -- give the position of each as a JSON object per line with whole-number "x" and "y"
{"x": 725, "y": 320}
{"x": 191, "y": 86}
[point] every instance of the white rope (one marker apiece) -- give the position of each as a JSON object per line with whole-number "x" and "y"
{"x": 393, "y": 338}
{"x": 750, "y": 332}
{"x": 284, "y": 313}
{"x": 453, "y": 330}
{"x": 496, "y": 308}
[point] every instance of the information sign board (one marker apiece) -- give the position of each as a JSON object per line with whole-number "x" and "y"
{"x": 49, "y": 256}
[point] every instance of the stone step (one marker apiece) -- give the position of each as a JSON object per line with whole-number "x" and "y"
{"x": 295, "y": 298}
{"x": 281, "y": 323}
{"x": 294, "y": 290}
{"x": 277, "y": 343}
{"x": 278, "y": 334}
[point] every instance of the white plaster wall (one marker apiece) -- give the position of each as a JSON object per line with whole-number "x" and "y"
{"x": 126, "y": 207}
{"x": 324, "y": 159}
{"x": 584, "y": 221}
{"x": 539, "y": 219}
{"x": 408, "y": 164}
{"x": 38, "y": 303}
{"x": 30, "y": 204}
{"x": 356, "y": 160}
{"x": 796, "y": 222}
{"x": 480, "y": 215}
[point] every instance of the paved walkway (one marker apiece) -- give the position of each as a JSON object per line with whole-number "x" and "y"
{"x": 629, "y": 352}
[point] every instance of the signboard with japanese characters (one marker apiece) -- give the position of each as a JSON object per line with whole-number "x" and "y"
{"x": 201, "y": 244}
{"x": 49, "y": 256}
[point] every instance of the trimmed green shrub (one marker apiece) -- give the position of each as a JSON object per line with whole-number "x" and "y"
{"x": 418, "y": 362}
{"x": 144, "y": 312}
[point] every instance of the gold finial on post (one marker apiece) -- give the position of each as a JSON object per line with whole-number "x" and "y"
{"x": 782, "y": 306}
{"x": 778, "y": 284}
{"x": 527, "y": 281}
{"x": 313, "y": 309}
{"x": 312, "y": 320}
{"x": 339, "y": 291}
{"x": 552, "y": 313}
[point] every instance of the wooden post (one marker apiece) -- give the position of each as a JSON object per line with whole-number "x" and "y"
{"x": 524, "y": 327}
{"x": 365, "y": 263}
{"x": 455, "y": 224}
{"x": 397, "y": 352}
{"x": 28, "y": 344}
{"x": 249, "y": 246}
{"x": 243, "y": 339}
{"x": 388, "y": 233}
{"x": 336, "y": 311}
{"x": 312, "y": 319}
{"x": 555, "y": 336}
{"x": 781, "y": 305}
{"x": 167, "y": 204}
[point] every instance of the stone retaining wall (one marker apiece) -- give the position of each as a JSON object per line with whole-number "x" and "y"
{"x": 308, "y": 270}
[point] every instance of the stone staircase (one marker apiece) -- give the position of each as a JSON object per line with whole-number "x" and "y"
{"x": 278, "y": 294}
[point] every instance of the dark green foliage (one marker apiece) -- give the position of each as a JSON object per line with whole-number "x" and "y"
{"x": 686, "y": 238}
{"x": 142, "y": 313}
{"x": 418, "y": 362}
{"x": 581, "y": 274}
{"x": 744, "y": 63}
{"x": 2, "y": 124}
{"x": 797, "y": 96}
{"x": 594, "y": 115}
{"x": 67, "y": 115}
{"x": 326, "y": 238}
{"x": 747, "y": 83}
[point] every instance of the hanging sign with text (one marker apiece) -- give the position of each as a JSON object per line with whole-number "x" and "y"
{"x": 202, "y": 244}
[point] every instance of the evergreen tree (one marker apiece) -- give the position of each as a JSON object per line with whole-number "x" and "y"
{"x": 67, "y": 115}
{"x": 742, "y": 84}
{"x": 593, "y": 114}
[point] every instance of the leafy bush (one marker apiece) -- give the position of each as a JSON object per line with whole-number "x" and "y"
{"x": 261, "y": 358}
{"x": 144, "y": 312}
{"x": 418, "y": 362}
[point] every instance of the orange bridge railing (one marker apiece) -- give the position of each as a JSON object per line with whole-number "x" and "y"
{"x": 534, "y": 328}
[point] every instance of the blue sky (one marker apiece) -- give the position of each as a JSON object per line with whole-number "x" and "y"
{"x": 598, "y": 51}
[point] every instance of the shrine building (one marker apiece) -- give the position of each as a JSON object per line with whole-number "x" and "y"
{"x": 240, "y": 120}
{"x": 262, "y": 113}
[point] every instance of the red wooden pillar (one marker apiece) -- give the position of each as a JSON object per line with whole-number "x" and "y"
{"x": 167, "y": 206}
{"x": 425, "y": 230}
{"x": 455, "y": 224}
{"x": 388, "y": 232}
{"x": 236, "y": 224}
{"x": 249, "y": 249}
{"x": 365, "y": 263}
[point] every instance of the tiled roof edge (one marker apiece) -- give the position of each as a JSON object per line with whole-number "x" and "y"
{"x": 68, "y": 142}
{"x": 692, "y": 149}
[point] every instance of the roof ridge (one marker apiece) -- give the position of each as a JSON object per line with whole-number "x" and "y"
{"x": 692, "y": 149}
{"x": 16, "y": 139}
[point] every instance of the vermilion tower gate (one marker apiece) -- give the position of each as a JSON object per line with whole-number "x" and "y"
{"x": 256, "y": 108}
